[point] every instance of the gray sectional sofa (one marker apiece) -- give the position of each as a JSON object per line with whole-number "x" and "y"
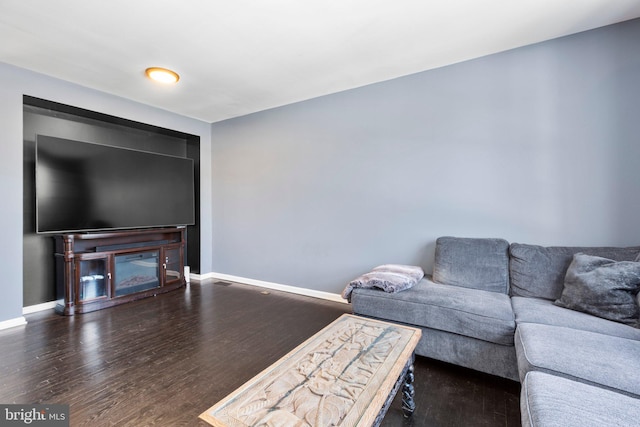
{"x": 501, "y": 308}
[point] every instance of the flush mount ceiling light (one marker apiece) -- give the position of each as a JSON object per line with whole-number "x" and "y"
{"x": 162, "y": 75}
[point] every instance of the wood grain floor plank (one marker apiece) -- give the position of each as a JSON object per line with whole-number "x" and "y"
{"x": 162, "y": 361}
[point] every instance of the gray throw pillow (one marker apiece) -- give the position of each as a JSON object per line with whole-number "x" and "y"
{"x": 602, "y": 287}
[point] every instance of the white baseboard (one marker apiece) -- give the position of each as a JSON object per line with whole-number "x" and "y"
{"x": 11, "y": 323}
{"x": 196, "y": 278}
{"x": 269, "y": 285}
{"x": 39, "y": 307}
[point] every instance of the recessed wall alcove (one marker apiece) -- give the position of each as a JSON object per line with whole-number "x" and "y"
{"x": 64, "y": 121}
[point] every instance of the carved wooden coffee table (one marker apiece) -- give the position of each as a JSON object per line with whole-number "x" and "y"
{"x": 347, "y": 374}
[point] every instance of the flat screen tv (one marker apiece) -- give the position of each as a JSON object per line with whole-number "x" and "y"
{"x": 83, "y": 186}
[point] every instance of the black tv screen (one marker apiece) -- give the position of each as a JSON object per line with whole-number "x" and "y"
{"x": 82, "y": 186}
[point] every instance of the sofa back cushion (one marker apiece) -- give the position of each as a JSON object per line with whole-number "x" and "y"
{"x": 472, "y": 263}
{"x": 538, "y": 271}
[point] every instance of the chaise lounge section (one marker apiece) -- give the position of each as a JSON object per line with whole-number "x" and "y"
{"x": 501, "y": 308}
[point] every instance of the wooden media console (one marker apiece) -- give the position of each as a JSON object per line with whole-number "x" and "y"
{"x": 99, "y": 270}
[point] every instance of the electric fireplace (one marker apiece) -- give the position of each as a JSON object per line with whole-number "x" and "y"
{"x": 136, "y": 272}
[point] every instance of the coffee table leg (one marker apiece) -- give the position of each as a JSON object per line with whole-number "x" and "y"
{"x": 408, "y": 392}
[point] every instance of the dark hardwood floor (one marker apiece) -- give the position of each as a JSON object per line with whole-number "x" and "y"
{"x": 164, "y": 360}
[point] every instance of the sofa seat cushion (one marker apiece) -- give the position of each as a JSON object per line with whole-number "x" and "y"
{"x": 484, "y": 315}
{"x": 536, "y": 310}
{"x": 548, "y": 400}
{"x": 588, "y": 357}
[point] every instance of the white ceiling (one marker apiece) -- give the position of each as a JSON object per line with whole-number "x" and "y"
{"x": 237, "y": 57}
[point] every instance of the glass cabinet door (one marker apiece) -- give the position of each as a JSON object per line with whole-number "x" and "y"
{"x": 93, "y": 279}
{"x": 172, "y": 263}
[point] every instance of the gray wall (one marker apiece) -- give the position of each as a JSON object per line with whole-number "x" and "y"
{"x": 16, "y": 82}
{"x": 539, "y": 144}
